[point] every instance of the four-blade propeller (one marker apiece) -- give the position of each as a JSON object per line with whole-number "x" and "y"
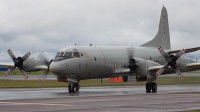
{"x": 18, "y": 62}
{"x": 171, "y": 61}
{"x": 132, "y": 63}
{"x": 43, "y": 57}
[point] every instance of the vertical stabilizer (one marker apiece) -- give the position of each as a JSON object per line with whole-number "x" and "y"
{"x": 162, "y": 37}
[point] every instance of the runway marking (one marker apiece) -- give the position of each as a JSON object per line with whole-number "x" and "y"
{"x": 44, "y": 104}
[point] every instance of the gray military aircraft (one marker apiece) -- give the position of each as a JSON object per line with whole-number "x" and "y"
{"x": 75, "y": 63}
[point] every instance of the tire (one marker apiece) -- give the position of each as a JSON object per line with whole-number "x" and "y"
{"x": 77, "y": 87}
{"x": 148, "y": 87}
{"x": 69, "y": 88}
{"x": 154, "y": 87}
{"x": 73, "y": 88}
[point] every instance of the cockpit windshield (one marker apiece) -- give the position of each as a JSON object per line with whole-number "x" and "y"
{"x": 66, "y": 55}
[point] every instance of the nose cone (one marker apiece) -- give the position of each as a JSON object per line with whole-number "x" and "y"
{"x": 52, "y": 68}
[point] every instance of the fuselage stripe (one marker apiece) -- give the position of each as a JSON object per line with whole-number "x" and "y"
{"x": 103, "y": 56}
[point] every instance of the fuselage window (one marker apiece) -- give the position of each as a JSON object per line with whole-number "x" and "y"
{"x": 76, "y": 54}
{"x": 68, "y": 54}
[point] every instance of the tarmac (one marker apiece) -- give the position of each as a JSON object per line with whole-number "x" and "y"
{"x": 97, "y": 99}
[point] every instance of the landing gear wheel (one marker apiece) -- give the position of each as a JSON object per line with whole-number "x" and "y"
{"x": 154, "y": 87}
{"x": 148, "y": 87}
{"x": 77, "y": 87}
{"x": 73, "y": 88}
{"x": 69, "y": 88}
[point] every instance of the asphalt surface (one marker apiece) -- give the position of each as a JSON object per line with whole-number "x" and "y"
{"x": 98, "y": 99}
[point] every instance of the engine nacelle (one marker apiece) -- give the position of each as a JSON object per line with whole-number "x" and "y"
{"x": 142, "y": 72}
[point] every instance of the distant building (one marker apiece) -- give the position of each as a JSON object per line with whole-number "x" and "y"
{"x": 2, "y": 68}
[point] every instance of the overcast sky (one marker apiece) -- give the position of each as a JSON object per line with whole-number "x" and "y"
{"x": 48, "y": 25}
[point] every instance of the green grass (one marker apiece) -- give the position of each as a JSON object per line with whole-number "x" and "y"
{"x": 17, "y": 72}
{"x": 95, "y": 82}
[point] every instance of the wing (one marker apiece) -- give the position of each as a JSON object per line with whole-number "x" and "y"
{"x": 41, "y": 67}
{"x": 194, "y": 66}
{"x": 8, "y": 65}
{"x": 122, "y": 72}
{"x": 187, "y": 50}
{"x": 190, "y": 67}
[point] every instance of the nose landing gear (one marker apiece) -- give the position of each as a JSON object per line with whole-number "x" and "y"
{"x": 151, "y": 87}
{"x": 73, "y": 87}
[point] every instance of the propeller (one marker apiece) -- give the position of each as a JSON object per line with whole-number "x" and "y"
{"x": 18, "y": 62}
{"x": 171, "y": 61}
{"x": 43, "y": 57}
{"x": 132, "y": 63}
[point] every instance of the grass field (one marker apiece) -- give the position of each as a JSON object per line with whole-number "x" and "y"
{"x": 95, "y": 82}
{"x": 17, "y": 72}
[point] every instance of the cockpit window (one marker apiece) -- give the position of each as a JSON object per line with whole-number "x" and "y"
{"x": 68, "y": 54}
{"x": 76, "y": 54}
{"x": 61, "y": 54}
{"x": 57, "y": 54}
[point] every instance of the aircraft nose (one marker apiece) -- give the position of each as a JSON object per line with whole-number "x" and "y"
{"x": 52, "y": 67}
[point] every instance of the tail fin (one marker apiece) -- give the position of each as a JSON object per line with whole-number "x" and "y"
{"x": 162, "y": 38}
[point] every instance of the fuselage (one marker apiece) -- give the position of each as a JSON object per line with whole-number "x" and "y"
{"x": 88, "y": 62}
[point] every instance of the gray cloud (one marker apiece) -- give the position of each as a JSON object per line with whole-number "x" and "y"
{"x": 48, "y": 25}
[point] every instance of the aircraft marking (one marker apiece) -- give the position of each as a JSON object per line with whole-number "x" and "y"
{"x": 103, "y": 56}
{"x": 147, "y": 65}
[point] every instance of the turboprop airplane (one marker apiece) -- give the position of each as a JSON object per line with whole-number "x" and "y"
{"x": 75, "y": 63}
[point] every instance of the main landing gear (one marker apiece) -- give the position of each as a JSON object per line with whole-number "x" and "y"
{"x": 151, "y": 87}
{"x": 73, "y": 87}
